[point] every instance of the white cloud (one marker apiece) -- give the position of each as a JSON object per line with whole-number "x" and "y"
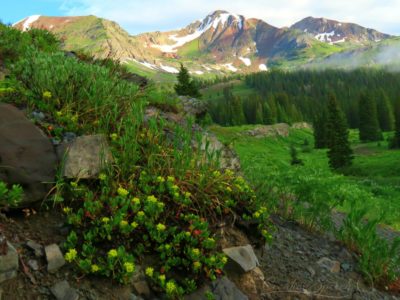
{"x": 138, "y": 15}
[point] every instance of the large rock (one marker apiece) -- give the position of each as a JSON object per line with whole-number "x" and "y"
{"x": 276, "y": 130}
{"x": 8, "y": 262}
{"x": 221, "y": 289}
{"x": 242, "y": 257}
{"x": 86, "y": 156}
{"x": 227, "y": 157}
{"x": 27, "y": 156}
{"x": 193, "y": 106}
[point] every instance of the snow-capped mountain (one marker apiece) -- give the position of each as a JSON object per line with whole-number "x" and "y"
{"x": 222, "y": 42}
{"x": 334, "y": 32}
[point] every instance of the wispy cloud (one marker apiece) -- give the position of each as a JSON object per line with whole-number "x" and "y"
{"x": 138, "y": 15}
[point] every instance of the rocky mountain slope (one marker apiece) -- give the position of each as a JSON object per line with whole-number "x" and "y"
{"x": 220, "y": 43}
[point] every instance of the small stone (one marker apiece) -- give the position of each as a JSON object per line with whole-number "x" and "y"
{"x": 142, "y": 288}
{"x": 38, "y": 115}
{"x": 62, "y": 291}
{"x": 55, "y": 259}
{"x": 311, "y": 271}
{"x": 38, "y": 249}
{"x": 33, "y": 264}
{"x": 331, "y": 265}
{"x": 9, "y": 263}
{"x": 242, "y": 256}
{"x": 346, "y": 267}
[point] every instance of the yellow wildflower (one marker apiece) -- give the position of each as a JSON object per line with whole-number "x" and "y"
{"x": 152, "y": 199}
{"x": 136, "y": 201}
{"x": 134, "y": 225}
{"x": 105, "y": 220}
{"x": 123, "y": 223}
{"x": 196, "y": 265}
{"x": 140, "y": 214}
{"x": 161, "y": 278}
{"x": 160, "y": 179}
{"x": 161, "y": 227}
{"x": 122, "y": 192}
{"x": 114, "y": 136}
{"x": 71, "y": 255}
{"x": 188, "y": 194}
{"x": 112, "y": 253}
{"x": 102, "y": 176}
{"x": 95, "y": 268}
{"x": 67, "y": 210}
{"x": 129, "y": 267}
{"x": 170, "y": 288}
{"x": 47, "y": 95}
{"x": 149, "y": 272}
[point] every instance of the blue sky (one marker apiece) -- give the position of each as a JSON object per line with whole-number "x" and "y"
{"x": 149, "y": 15}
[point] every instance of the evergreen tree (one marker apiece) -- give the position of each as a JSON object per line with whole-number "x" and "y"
{"x": 186, "y": 86}
{"x": 320, "y": 131}
{"x": 340, "y": 153}
{"x": 385, "y": 113}
{"x": 395, "y": 143}
{"x": 369, "y": 125}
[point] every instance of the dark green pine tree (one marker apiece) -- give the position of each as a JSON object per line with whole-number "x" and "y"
{"x": 320, "y": 131}
{"x": 395, "y": 143}
{"x": 340, "y": 154}
{"x": 186, "y": 86}
{"x": 385, "y": 113}
{"x": 369, "y": 124}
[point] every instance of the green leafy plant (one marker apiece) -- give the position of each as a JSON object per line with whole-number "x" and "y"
{"x": 10, "y": 196}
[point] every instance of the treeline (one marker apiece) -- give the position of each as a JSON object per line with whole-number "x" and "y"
{"x": 231, "y": 110}
{"x": 303, "y": 96}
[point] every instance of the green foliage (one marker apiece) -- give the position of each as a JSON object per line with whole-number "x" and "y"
{"x": 369, "y": 125}
{"x": 10, "y": 197}
{"x": 163, "y": 194}
{"x": 379, "y": 260}
{"x": 337, "y": 137}
{"x": 14, "y": 43}
{"x": 186, "y": 86}
{"x": 294, "y": 156}
{"x": 310, "y": 194}
{"x": 395, "y": 141}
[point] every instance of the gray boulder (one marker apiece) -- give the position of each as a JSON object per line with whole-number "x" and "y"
{"x": 27, "y": 156}
{"x": 8, "y": 262}
{"x": 242, "y": 257}
{"x": 86, "y": 156}
{"x": 227, "y": 157}
{"x": 193, "y": 106}
{"x": 54, "y": 257}
{"x": 221, "y": 289}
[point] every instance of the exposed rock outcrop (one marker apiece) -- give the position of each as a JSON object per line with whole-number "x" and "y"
{"x": 27, "y": 156}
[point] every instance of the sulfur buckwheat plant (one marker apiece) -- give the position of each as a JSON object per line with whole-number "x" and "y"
{"x": 160, "y": 207}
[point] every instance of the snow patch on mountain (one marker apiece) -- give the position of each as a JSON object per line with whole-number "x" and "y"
{"x": 246, "y": 61}
{"x": 199, "y": 72}
{"x": 28, "y": 22}
{"x": 325, "y": 36}
{"x": 263, "y": 67}
{"x": 207, "y": 68}
{"x": 169, "y": 69}
{"x": 208, "y": 23}
{"x": 230, "y": 67}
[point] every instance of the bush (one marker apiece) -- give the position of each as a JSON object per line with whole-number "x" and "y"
{"x": 10, "y": 197}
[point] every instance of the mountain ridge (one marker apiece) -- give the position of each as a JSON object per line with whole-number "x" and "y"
{"x": 220, "y": 43}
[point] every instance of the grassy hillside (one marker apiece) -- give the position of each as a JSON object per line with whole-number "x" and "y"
{"x": 373, "y": 181}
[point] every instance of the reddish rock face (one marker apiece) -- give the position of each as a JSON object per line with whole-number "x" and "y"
{"x": 27, "y": 156}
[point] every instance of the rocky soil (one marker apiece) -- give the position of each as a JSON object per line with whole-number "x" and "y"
{"x": 297, "y": 265}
